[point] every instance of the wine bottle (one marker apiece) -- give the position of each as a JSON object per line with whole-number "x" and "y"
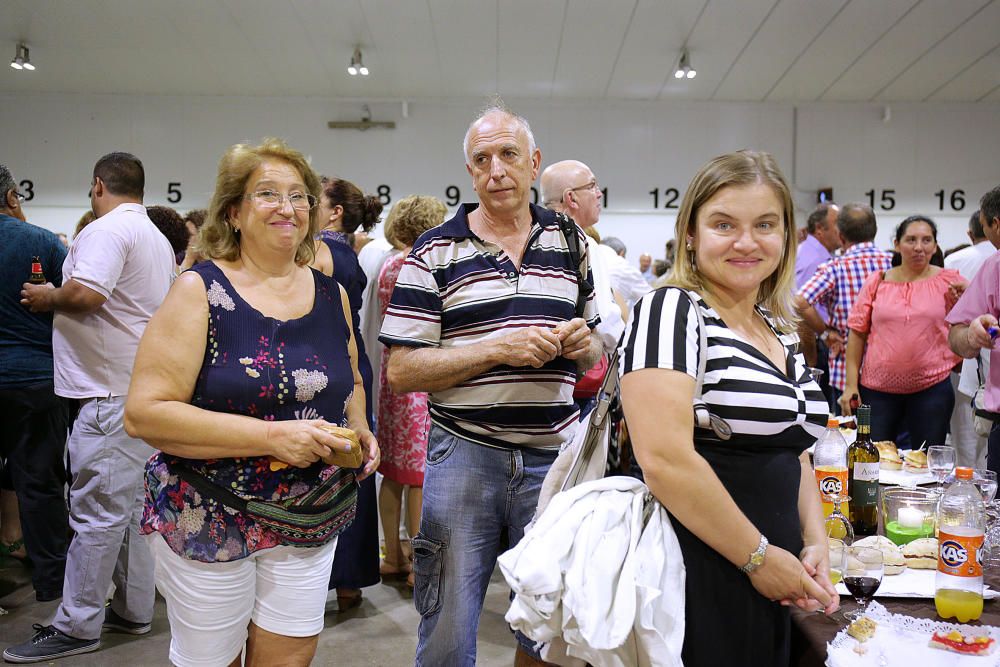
{"x": 862, "y": 481}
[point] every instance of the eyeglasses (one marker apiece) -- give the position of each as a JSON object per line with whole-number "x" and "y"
{"x": 300, "y": 201}
{"x": 19, "y": 196}
{"x": 588, "y": 186}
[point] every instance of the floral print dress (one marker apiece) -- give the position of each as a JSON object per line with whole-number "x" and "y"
{"x": 404, "y": 421}
{"x": 264, "y": 368}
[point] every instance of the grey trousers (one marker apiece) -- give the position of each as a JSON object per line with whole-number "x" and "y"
{"x": 105, "y": 501}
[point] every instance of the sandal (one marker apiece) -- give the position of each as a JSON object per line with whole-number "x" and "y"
{"x": 387, "y": 571}
{"x": 348, "y": 602}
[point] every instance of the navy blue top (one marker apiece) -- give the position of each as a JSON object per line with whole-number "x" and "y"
{"x": 348, "y": 272}
{"x": 260, "y": 367}
{"x": 25, "y": 337}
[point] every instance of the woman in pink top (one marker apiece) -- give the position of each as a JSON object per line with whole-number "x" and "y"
{"x": 897, "y": 325}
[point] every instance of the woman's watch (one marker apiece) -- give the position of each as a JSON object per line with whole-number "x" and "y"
{"x": 826, "y": 334}
{"x": 757, "y": 557}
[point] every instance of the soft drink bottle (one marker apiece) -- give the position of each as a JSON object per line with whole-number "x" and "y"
{"x": 961, "y": 517}
{"x": 37, "y": 276}
{"x": 830, "y": 465}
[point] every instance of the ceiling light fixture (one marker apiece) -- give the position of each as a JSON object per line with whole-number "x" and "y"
{"x": 357, "y": 66}
{"x": 21, "y": 58}
{"x": 684, "y": 69}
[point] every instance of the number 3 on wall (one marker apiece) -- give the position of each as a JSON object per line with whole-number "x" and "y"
{"x": 173, "y": 192}
{"x": 27, "y": 189}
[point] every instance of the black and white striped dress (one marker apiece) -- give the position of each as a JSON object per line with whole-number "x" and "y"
{"x": 775, "y": 415}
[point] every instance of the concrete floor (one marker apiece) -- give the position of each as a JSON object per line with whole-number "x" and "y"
{"x": 381, "y": 632}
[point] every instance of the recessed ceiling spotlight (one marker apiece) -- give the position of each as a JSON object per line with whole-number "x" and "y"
{"x": 357, "y": 66}
{"x": 684, "y": 69}
{"x": 22, "y": 60}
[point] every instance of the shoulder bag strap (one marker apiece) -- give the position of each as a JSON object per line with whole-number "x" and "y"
{"x": 207, "y": 488}
{"x": 568, "y": 229}
{"x": 703, "y": 417}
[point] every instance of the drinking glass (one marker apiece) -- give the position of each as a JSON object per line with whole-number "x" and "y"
{"x": 837, "y": 525}
{"x": 986, "y": 482}
{"x": 862, "y": 569}
{"x": 940, "y": 461}
{"x": 836, "y": 560}
{"x": 991, "y": 543}
{"x": 816, "y": 373}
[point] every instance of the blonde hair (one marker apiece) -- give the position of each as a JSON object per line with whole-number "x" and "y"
{"x": 412, "y": 216}
{"x": 217, "y": 239}
{"x": 737, "y": 169}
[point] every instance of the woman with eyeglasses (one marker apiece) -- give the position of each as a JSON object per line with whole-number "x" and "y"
{"x": 250, "y": 356}
{"x": 343, "y": 209}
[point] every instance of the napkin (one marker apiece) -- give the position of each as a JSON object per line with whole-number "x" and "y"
{"x": 901, "y": 641}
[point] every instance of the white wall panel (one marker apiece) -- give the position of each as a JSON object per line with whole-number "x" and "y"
{"x": 633, "y": 147}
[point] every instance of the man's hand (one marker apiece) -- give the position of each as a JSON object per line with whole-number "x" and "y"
{"x": 978, "y": 335}
{"x": 38, "y": 298}
{"x": 532, "y": 346}
{"x": 574, "y": 336}
{"x": 835, "y": 343}
{"x": 955, "y": 292}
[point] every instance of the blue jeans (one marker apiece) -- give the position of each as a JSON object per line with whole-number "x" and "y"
{"x": 471, "y": 493}
{"x": 925, "y": 414}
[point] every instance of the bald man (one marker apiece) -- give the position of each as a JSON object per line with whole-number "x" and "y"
{"x": 571, "y": 188}
{"x": 646, "y": 267}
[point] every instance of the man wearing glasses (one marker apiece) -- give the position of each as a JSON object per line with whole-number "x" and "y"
{"x": 115, "y": 276}
{"x": 34, "y": 419}
{"x": 570, "y": 187}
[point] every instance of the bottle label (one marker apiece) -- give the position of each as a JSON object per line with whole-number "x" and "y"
{"x": 863, "y": 494}
{"x": 832, "y": 481}
{"x": 961, "y": 555}
{"x": 866, "y": 472}
{"x": 36, "y": 267}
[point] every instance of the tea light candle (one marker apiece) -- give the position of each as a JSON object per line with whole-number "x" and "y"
{"x": 910, "y": 517}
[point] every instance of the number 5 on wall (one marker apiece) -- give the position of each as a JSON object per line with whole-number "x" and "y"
{"x": 173, "y": 192}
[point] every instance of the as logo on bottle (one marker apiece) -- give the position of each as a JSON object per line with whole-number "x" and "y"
{"x": 953, "y": 554}
{"x": 831, "y": 486}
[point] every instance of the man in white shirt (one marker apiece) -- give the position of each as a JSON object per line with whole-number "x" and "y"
{"x": 570, "y": 187}
{"x": 970, "y": 449}
{"x": 115, "y": 276}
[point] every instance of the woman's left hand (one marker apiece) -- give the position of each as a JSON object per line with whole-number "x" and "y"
{"x": 372, "y": 454}
{"x": 816, "y": 561}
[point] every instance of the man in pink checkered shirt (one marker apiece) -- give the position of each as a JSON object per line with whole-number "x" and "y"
{"x": 836, "y": 284}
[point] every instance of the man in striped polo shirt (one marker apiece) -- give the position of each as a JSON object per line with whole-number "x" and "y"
{"x": 483, "y": 317}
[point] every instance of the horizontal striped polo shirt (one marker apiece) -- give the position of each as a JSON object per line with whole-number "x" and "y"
{"x": 456, "y": 289}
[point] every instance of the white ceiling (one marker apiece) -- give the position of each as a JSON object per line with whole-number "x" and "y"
{"x": 744, "y": 50}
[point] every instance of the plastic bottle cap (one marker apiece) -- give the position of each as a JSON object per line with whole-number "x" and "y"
{"x": 963, "y": 473}
{"x": 832, "y": 423}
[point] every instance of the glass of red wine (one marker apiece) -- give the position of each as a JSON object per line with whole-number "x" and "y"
{"x": 862, "y": 569}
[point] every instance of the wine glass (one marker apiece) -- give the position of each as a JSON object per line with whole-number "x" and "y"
{"x": 986, "y": 482}
{"x": 837, "y": 525}
{"x": 940, "y": 461}
{"x": 862, "y": 570}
